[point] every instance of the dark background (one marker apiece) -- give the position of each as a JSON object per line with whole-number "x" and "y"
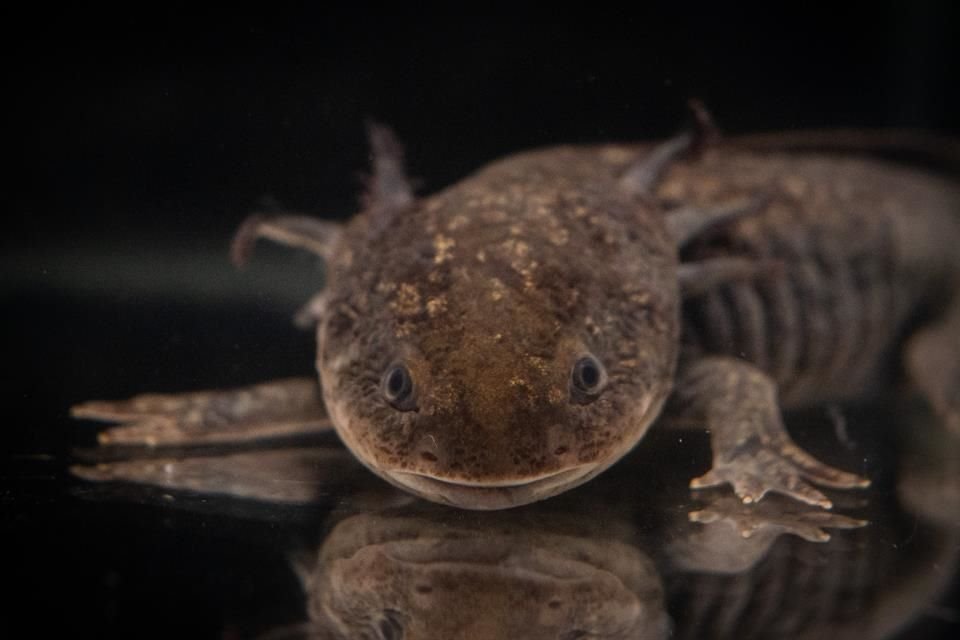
{"x": 138, "y": 139}
{"x": 177, "y": 121}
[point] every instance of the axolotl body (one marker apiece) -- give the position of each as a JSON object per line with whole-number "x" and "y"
{"x": 515, "y": 334}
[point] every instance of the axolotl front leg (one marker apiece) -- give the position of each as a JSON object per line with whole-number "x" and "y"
{"x": 280, "y": 408}
{"x": 736, "y": 400}
{"x": 823, "y": 290}
{"x": 752, "y": 450}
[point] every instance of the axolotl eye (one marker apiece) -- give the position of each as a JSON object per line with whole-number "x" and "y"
{"x": 397, "y": 388}
{"x": 587, "y": 379}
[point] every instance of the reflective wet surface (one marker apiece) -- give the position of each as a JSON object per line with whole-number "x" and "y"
{"x": 294, "y": 539}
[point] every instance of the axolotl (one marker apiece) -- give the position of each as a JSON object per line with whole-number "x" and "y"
{"x": 515, "y": 334}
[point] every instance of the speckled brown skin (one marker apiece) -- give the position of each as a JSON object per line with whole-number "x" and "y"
{"x": 735, "y": 280}
{"x": 581, "y": 566}
{"x": 489, "y": 292}
{"x": 863, "y": 245}
{"x": 485, "y": 577}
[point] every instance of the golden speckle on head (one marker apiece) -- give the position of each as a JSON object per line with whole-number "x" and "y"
{"x": 497, "y": 289}
{"x": 442, "y": 245}
{"x": 436, "y": 306}
{"x": 407, "y": 300}
{"x": 457, "y": 222}
{"x": 523, "y": 386}
{"x": 527, "y": 273}
{"x": 403, "y": 329}
{"x": 518, "y": 248}
{"x": 481, "y": 256}
{"x": 520, "y": 264}
{"x": 443, "y": 396}
{"x": 516, "y": 230}
{"x": 556, "y": 395}
{"x": 538, "y": 363}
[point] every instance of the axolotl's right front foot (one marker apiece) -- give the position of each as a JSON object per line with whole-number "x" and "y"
{"x": 752, "y": 450}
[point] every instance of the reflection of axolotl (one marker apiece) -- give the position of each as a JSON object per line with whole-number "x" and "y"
{"x": 615, "y": 561}
{"x": 515, "y": 334}
{"x": 541, "y": 575}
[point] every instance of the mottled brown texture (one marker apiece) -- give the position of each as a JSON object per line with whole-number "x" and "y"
{"x": 483, "y": 578}
{"x": 863, "y": 245}
{"x": 597, "y": 562}
{"x": 489, "y": 292}
{"x": 806, "y": 266}
{"x": 741, "y": 278}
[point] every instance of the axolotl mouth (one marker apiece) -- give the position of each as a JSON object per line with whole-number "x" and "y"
{"x": 489, "y": 495}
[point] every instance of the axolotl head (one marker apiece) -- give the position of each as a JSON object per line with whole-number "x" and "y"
{"x": 499, "y": 342}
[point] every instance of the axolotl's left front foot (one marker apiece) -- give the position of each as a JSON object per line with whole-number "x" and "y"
{"x": 752, "y": 450}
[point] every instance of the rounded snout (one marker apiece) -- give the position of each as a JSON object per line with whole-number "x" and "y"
{"x": 492, "y": 494}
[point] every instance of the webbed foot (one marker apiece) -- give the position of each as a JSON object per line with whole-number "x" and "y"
{"x": 732, "y": 537}
{"x": 272, "y": 409}
{"x": 752, "y": 450}
{"x": 780, "y": 516}
{"x": 761, "y": 463}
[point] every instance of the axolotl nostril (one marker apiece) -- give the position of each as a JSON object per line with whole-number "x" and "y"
{"x": 515, "y": 334}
